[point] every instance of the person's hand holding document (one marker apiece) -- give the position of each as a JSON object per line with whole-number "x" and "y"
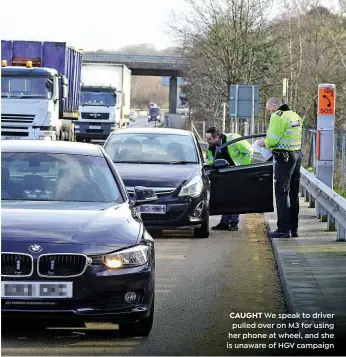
{"x": 266, "y": 153}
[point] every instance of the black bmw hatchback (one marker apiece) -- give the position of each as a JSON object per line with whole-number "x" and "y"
{"x": 171, "y": 163}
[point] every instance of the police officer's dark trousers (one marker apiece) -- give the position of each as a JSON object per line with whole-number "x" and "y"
{"x": 287, "y": 176}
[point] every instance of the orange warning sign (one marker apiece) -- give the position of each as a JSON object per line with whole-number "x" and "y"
{"x": 326, "y": 101}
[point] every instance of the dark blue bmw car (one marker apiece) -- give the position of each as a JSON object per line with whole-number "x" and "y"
{"x": 74, "y": 248}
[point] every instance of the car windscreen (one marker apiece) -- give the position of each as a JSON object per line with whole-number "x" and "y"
{"x": 57, "y": 177}
{"x": 152, "y": 148}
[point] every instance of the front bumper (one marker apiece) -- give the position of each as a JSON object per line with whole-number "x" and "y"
{"x": 13, "y": 133}
{"x": 179, "y": 213}
{"x": 97, "y": 296}
{"x": 87, "y": 130}
{"x": 154, "y": 118}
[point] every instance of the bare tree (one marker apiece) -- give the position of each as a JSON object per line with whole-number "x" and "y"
{"x": 226, "y": 43}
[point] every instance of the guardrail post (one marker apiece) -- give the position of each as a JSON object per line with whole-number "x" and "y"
{"x": 306, "y": 196}
{"x": 330, "y": 223}
{"x": 302, "y": 190}
{"x": 323, "y": 214}
{"x": 341, "y": 233}
{"x": 311, "y": 202}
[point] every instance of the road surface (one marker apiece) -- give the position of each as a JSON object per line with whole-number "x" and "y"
{"x": 141, "y": 122}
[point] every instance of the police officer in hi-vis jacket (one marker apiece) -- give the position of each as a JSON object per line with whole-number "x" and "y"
{"x": 284, "y": 139}
{"x": 239, "y": 153}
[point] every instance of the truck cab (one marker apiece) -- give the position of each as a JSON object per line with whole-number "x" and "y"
{"x": 154, "y": 114}
{"x": 30, "y": 98}
{"x": 40, "y": 84}
{"x": 98, "y": 112}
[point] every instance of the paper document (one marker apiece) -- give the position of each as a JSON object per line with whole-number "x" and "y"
{"x": 266, "y": 153}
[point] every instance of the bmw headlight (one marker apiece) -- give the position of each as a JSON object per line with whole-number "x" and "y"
{"x": 193, "y": 188}
{"x": 127, "y": 258}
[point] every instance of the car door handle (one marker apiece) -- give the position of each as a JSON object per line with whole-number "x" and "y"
{"x": 261, "y": 176}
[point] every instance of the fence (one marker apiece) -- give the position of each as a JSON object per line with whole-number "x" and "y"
{"x": 309, "y": 151}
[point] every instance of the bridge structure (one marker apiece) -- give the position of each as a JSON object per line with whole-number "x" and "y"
{"x": 146, "y": 65}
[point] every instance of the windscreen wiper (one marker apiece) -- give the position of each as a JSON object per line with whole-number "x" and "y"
{"x": 148, "y": 162}
{"x": 182, "y": 162}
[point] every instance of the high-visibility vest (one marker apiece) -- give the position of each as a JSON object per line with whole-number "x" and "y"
{"x": 285, "y": 131}
{"x": 240, "y": 153}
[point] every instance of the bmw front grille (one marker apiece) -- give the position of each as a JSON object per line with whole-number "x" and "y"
{"x": 16, "y": 264}
{"x": 59, "y": 265}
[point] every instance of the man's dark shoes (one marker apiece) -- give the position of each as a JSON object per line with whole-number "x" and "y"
{"x": 233, "y": 227}
{"x": 277, "y": 234}
{"x": 294, "y": 234}
{"x": 220, "y": 227}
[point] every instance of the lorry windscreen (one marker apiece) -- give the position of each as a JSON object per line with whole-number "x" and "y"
{"x": 26, "y": 87}
{"x": 97, "y": 98}
{"x": 154, "y": 111}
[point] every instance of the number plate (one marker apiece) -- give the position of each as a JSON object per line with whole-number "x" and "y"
{"x": 41, "y": 290}
{"x": 153, "y": 209}
{"x": 11, "y": 137}
{"x": 94, "y": 127}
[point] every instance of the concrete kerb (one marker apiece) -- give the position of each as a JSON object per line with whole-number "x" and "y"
{"x": 279, "y": 267}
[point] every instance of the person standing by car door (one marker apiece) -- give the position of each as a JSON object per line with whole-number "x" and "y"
{"x": 239, "y": 153}
{"x": 284, "y": 138}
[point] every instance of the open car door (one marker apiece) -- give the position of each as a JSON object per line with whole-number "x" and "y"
{"x": 241, "y": 189}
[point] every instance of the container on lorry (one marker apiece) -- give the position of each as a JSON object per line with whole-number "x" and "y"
{"x": 40, "y": 84}
{"x": 105, "y": 101}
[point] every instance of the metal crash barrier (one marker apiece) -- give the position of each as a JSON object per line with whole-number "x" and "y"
{"x": 319, "y": 196}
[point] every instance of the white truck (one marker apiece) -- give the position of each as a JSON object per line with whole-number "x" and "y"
{"x": 104, "y": 101}
{"x": 40, "y": 84}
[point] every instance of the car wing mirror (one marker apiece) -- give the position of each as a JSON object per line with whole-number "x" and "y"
{"x": 220, "y": 164}
{"x": 143, "y": 195}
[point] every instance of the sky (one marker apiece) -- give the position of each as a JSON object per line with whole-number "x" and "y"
{"x": 92, "y": 24}
{"x": 89, "y": 24}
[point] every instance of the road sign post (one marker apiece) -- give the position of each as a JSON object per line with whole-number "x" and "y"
{"x": 244, "y": 104}
{"x": 325, "y": 139}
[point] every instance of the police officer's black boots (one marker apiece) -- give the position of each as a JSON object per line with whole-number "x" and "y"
{"x": 220, "y": 227}
{"x": 277, "y": 234}
{"x": 294, "y": 234}
{"x": 233, "y": 227}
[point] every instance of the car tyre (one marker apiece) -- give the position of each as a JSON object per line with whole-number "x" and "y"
{"x": 203, "y": 231}
{"x": 141, "y": 328}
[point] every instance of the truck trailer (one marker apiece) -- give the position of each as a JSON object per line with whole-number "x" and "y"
{"x": 40, "y": 88}
{"x": 105, "y": 101}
